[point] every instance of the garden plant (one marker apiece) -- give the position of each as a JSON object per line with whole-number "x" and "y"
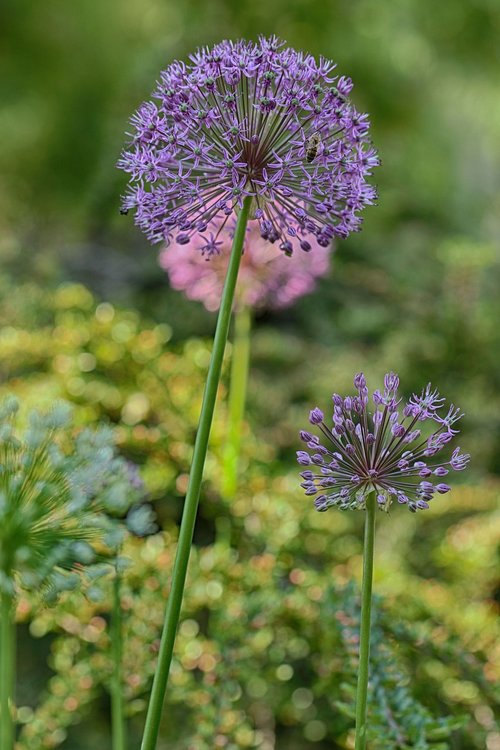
{"x": 164, "y": 583}
{"x": 265, "y": 132}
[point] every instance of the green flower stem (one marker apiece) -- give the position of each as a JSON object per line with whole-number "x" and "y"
{"x": 117, "y": 713}
{"x": 365, "y": 629}
{"x": 7, "y": 669}
{"x": 174, "y": 601}
{"x": 240, "y": 359}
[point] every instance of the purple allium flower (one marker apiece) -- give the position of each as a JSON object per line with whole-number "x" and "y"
{"x": 380, "y": 449}
{"x": 245, "y": 119}
{"x": 267, "y": 279}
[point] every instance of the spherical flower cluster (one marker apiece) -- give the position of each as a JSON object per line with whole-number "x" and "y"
{"x": 382, "y": 450}
{"x": 267, "y": 279}
{"x": 245, "y": 119}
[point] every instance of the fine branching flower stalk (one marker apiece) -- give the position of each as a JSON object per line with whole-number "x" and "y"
{"x": 260, "y": 129}
{"x": 369, "y": 458}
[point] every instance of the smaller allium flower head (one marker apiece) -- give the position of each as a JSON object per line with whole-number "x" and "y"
{"x": 267, "y": 279}
{"x": 390, "y": 449}
{"x": 245, "y": 119}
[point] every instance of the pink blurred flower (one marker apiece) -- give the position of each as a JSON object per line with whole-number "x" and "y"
{"x": 267, "y": 277}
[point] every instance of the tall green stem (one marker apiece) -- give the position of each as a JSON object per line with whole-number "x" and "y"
{"x": 7, "y": 670}
{"x": 365, "y": 629}
{"x": 240, "y": 359}
{"x": 117, "y": 712}
{"x": 174, "y": 601}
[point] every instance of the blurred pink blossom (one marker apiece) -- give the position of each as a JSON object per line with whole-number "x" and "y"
{"x": 267, "y": 277}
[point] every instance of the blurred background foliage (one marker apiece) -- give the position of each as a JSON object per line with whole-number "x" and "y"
{"x": 416, "y": 291}
{"x": 265, "y": 655}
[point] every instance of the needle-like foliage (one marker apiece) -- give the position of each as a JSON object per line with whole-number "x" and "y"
{"x": 61, "y": 498}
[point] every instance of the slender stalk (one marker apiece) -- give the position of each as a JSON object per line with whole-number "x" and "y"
{"x": 174, "y": 601}
{"x": 7, "y": 670}
{"x": 364, "y": 636}
{"x": 240, "y": 359}
{"x": 117, "y": 713}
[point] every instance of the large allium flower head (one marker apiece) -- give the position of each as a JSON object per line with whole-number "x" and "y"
{"x": 390, "y": 449}
{"x": 266, "y": 279}
{"x": 250, "y": 119}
